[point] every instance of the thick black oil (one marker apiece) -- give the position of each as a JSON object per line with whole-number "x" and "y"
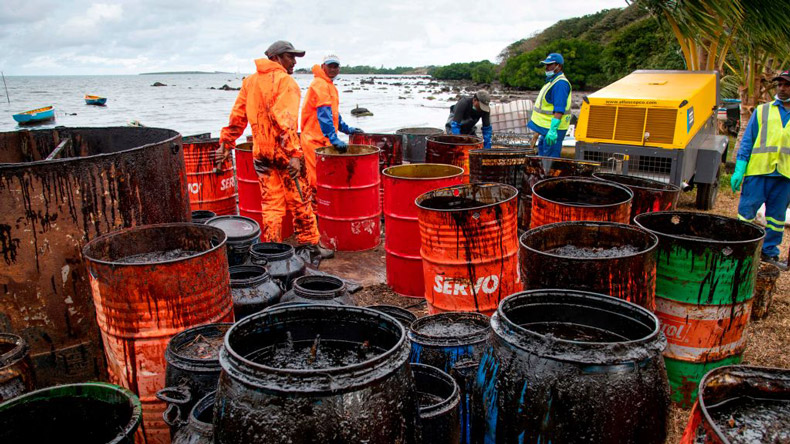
{"x": 321, "y": 285}
{"x": 428, "y": 399}
{"x": 157, "y": 256}
{"x": 201, "y": 347}
{"x": 316, "y": 354}
{"x": 593, "y": 252}
{"x": 750, "y": 420}
{"x": 450, "y": 328}
{"x": 77, "y": 420}
{"x": 6, "y": 347}
{"x": 206, "y": 415}
{"x": 451, "y": 203}
{"x": 574, "y": 332}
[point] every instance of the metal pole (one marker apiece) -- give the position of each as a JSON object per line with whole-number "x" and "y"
{"x": 6, "y": 88}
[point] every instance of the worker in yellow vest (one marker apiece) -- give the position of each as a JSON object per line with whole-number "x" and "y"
{"x": 763, "y": 167}
{"x": 551, "y": 115}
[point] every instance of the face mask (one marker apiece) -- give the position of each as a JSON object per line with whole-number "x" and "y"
{"x": 549, "y": 74}
{"x": 783, "y": 101}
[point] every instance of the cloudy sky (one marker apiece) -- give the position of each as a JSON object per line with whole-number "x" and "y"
{"x": 56, "y": 37}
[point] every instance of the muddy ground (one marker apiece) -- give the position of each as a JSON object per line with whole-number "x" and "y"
{"x": 769, "y": 338}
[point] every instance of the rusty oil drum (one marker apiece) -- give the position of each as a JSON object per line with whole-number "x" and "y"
{"x": 414, "y": 141}
{"x": 649, "y": 195}
{"x": 16, "y": 370}
{"x": 106, "y": 180}
{"x": 349, "y": 206}
{"x": 210, "y": 188}
{"x": 498, "y": 165}
{"x": 390, "y": 154}
{"x": 250, "y": 190}
{"x": 469, "y": 246}
{"x": 739, "y": 404}
{"x": 452, "y": 149}
{"x": 603, "y": 257}
{"x": 150, "y": 283}
{"x": 564, "y": 199}
{"x": 402, "y": 185}
{"x": 538, "y": 168}
{"x": 317, "y": 374}
{"x": 705, "y": 274}
{"x": 570, "y": 366}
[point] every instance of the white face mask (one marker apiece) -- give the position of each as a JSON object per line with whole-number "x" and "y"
{"x": 783, "y": 101}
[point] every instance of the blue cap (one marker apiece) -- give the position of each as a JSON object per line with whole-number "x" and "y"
{"x": 554, "y": 58}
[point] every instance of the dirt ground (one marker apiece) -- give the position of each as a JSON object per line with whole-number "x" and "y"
{"x": 769, "y": 337}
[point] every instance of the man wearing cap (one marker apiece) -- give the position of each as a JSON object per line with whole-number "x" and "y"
{"x": 551, "y": 115}
{"x": 763, "y": 166}
{"x": 269, "y": 102}
{"x": 321, "y": 118}
{"x": 465, "y": 114}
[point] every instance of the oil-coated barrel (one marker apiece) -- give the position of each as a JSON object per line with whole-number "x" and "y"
{"x": 572, "y": 366}
{"x": 603, "y": 257}
{"x": 469, "y": 246}
{"x": 209, "y": 187}
{"x": 414, "y": 141}
{"x": 92, "y": 412}
{"x": 452, "y": 150}
{"x": 150, "y": 283}
{"x": 16, "y": 370}
{"x": 105, "y": 180}
{"x": 741, "y": 404}
{"x": 440, "y": 398}
{"x": 498, "y": 165}
{"x": 649, "y": 195}
{"x": 390, "y": 154}
{"x": 347, "y": 198}
{"x": 706, "y": 268}
{"x": 538, "y": 168}
{"x": 402, "y": 185}
{"x": 250, "y": 190}
{"x": 565, "y": 199}
{"x": 318, "y": 374}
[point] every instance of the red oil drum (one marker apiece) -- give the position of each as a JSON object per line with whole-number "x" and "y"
{"x": 649, "y": 195}
{"x": 349, "y": 208}
{"x": 391, "y": 154}
{"x": 250, "y": 190}
{"x": 402, "y": 185}
{"x": 565, "y": 199}
{"x": 148, "y": 284}
{"x": 207, "y": 188}
{"x": 451, "y": 150}
{"x": 469, "y": 246}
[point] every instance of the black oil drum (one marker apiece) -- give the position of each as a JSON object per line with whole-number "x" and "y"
{"x": 570, "y": 366}
{"x": 201, "y": 216}
{"x": 439, "y": 398}
{"x": 318, "y": 290}
{"x": 283, "y": 265}
{"x": 252, "y": 289}
{"x": 199, "y": 428}
{"x": 16, "y": 370}
{"x": 316, "y": 374}
{"x": 242, "y": 233}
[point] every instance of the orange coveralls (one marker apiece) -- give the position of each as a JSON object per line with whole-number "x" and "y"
{"x": 322, "y": 92}
{"x": 269, "y": 102}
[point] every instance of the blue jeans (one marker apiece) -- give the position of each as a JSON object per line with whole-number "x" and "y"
{"x": 774, "y": 192}
{"x": 554, "y": 150}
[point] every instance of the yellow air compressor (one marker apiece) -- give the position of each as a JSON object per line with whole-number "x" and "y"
{"x": 659, "y": 125}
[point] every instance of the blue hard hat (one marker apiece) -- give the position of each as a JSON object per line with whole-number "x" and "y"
{"x": 554, "y": 58}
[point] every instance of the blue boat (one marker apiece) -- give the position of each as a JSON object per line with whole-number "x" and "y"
{"x": 95, "y": 100}
{"x": 35, "y": 115}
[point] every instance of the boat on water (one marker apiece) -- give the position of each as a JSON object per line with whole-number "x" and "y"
{"x": 95, "y": 100}
{"x": 35, "y": 115}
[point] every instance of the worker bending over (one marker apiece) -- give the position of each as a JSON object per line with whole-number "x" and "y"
{"x": 465, "y": 114}
{"x": 551, "y": 115}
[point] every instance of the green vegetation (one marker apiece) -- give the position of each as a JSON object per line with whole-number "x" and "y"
{"x": 481, "y": 72}
{"x": 365, "y": 69}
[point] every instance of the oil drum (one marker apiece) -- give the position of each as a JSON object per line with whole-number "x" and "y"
{"x": 451, "y": 149}
{"x": 209, "y": 187}
{"x": 390, "y": 150}
{"x": 649, "y": 195}
{"x": 414, "y": 141}
{"x": 16, "y": 370}
{"x": 563, "y": 199}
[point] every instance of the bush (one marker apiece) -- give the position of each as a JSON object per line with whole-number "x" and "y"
{"x": 480, "y": 72}
{"x": 582, "y": 65}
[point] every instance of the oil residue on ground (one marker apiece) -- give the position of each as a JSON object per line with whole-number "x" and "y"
{"x": 157, "y": 256}
{"x": 202, "y": 347}
{"x": 315, "y": 354}
{"x": 748, "y": 420}
{"x": 451, "y": 203}
{"x": 574, "y": 332}
{"x": 574, "y": 251}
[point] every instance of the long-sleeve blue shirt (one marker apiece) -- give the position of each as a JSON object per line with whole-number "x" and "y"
{"x": 557, "y": 95}
{"x": 750, "y": 135}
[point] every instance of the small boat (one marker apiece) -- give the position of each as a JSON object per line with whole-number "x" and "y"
{"x": 95, "y": 100}
{"x": 35, "y": 115}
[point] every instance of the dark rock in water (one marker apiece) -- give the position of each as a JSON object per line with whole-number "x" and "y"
{"x": 228, "y": 88}
{"x": 366, "y": 81}
{"x": 158, "y": 84}
{"x": 157, "y": 256}
{"x": 360, "y": 112}
{"x": 574, "y": 251}
{"x": 348, "y": 91}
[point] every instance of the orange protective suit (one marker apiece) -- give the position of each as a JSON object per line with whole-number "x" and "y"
{"x": 269, "y": 102}
{"x": 322, "y": 92}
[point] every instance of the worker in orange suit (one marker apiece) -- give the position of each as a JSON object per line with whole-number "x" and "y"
{"x": 269, "y": 102}
{"x": 321, "y": 118}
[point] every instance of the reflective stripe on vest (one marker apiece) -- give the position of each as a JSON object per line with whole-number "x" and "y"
{"x": 772, "y": 150}
{"x": 544, "y": 111}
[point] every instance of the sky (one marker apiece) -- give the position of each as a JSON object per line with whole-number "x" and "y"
{"x": 78, "y": 37}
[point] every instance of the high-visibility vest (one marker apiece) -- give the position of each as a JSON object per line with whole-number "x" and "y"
{"x": 771, "y": 150}
{"x": 544, "y": 111}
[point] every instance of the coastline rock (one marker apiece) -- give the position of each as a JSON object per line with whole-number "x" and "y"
{"x": 158, "y": 84}
{"x": 225, "y": 87}
{"x": 361, "y": 112}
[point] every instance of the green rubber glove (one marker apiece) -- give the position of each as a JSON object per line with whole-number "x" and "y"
{"x": 551, "y": 136}
{"x": 737, "y": 176}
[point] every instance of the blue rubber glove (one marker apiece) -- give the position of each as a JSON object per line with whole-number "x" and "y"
{"x": 455, "y": 127}
{"x": 551, "y": 136}
{"x": 324, "y": 114}
{"x": 345, "y": 128}
{"x": 487, "y": 137}
{"x": 737, "y": 176}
